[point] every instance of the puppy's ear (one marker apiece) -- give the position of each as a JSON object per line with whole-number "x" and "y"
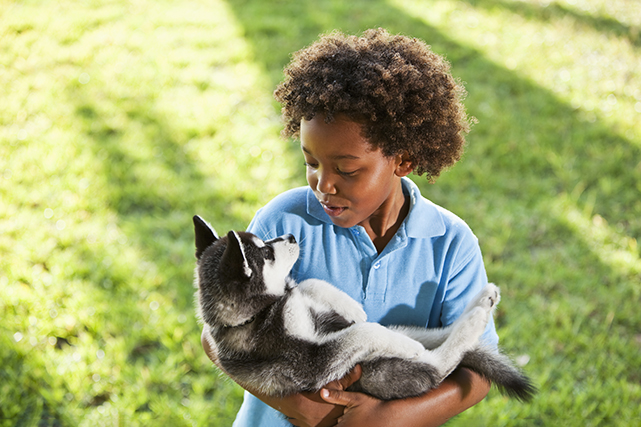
{"x": 234, "y": 262}
{"x": 205, "y": 235}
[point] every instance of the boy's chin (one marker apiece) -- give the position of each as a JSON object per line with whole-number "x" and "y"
{"x": 343, "y": 222}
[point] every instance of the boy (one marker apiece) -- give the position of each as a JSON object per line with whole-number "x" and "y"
{"x": 369, "y": 111}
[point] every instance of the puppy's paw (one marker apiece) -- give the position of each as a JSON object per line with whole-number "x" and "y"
{"x": 490, "y": 296}
{"x": 487, "y": 299}
{"x": 399, "y": 345}
{"x": 351, "y": 310}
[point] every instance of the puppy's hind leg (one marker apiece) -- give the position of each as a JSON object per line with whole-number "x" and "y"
{"x": 367, "y": 341}
{"x": 465, "y": 332}
{"x": 429, "y": 337}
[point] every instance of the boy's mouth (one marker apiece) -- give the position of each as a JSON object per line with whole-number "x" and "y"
{"x": 332, "y": 210}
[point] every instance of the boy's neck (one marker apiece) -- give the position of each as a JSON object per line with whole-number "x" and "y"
{"x": 381, "y": 228}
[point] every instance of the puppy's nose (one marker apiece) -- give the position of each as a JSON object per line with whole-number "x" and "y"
{"x": 290, "y": 238}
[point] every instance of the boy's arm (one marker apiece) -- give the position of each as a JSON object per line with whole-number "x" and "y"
{"x": 458, "y": 392}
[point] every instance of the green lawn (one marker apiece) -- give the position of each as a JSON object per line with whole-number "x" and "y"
{"x": 119, "y": 120}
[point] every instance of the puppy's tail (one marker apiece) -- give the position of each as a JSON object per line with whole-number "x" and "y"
{"x": 501, "y": 371}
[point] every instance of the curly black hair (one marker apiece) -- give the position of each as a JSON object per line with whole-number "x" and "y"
{"x": 395, "y": 86}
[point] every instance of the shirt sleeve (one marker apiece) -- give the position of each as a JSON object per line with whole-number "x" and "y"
{"x": 257, "y": 228}
{"x": 266, "y": 225}
{"x": 281, "y": 215}
{"x": 465, "y": 281}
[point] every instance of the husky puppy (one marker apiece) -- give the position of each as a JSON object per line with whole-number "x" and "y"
{"x": 280, "y": 337}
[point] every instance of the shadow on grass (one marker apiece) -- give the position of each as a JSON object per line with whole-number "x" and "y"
{"x": 556, "y": 12}
{"x": 154, "y": 195}
{"x": 154, "y": 188}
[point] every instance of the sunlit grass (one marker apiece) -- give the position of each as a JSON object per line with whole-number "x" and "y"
{"x": 618, "y": 251}
{"x": 120, "y": 120}
{"x": 560, "y": 52}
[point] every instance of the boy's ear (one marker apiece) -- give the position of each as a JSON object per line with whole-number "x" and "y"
{"x": 404, "y": 165}
{"x": 205, "y": 235}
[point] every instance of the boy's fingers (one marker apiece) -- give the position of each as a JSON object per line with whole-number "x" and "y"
{"x": 337, "y": 397}
{"x": 349, "y": 379}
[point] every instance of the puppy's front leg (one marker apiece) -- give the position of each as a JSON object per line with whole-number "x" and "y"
{"x": 333, "y": 299}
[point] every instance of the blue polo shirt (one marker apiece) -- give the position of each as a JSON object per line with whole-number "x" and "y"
{"x": 425, "y": 275}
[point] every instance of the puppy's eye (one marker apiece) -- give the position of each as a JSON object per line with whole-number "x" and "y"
{"x": 268, "y": 253}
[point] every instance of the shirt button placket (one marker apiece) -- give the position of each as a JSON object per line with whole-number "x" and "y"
{"x": 377, "y": 282}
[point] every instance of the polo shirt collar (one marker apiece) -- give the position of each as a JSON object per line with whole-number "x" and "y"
{"x": 424, "y": 219}
{"x": 315, "y": 209}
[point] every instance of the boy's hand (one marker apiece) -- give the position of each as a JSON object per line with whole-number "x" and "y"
{"x": 309, "y": 409}
{"x": 462, "y": 389}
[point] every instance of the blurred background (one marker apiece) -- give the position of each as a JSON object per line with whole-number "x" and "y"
{"x": 120, "y": 120}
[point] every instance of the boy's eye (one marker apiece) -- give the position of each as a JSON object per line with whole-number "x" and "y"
{"x": 345, "y": 173}
{"x": 338, "y": 171}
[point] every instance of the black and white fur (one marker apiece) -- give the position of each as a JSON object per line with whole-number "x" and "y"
{"x": 280, "y": 337}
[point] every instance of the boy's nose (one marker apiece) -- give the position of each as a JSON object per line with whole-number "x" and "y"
{"x": 325, "y": 184}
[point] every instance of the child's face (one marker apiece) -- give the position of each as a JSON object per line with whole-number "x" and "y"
{"x": 352, "y": 181}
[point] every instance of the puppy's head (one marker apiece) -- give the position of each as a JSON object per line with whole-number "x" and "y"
{"x": 239, "y": 274}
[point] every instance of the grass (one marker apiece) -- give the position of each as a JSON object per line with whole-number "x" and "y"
{"x": 120, "y": 120}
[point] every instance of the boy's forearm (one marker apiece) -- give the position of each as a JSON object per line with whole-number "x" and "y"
{"x": 458, "y": 392}
{"x": 462, "y": 389}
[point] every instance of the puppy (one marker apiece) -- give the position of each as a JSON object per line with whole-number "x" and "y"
{"x": 280, "y": 337}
